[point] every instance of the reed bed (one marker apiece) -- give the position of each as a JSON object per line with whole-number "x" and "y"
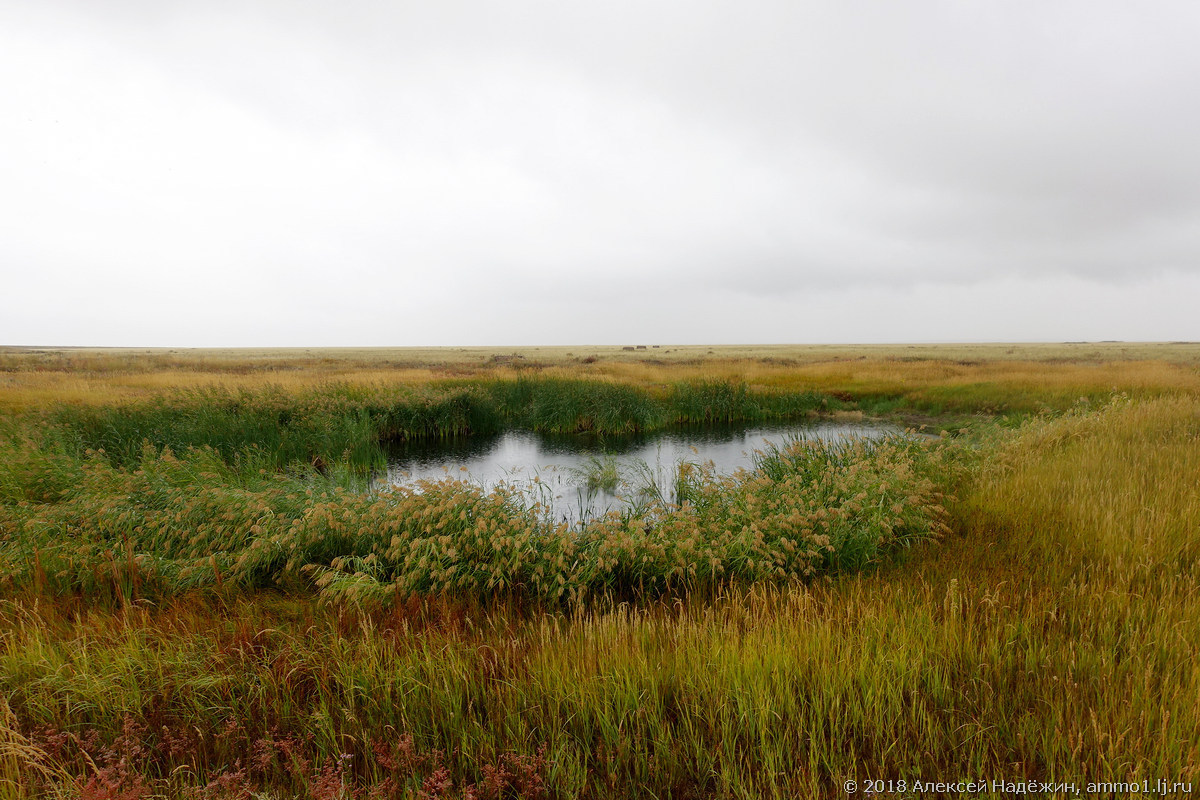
{"x": 346, "y": 423}
{"x": 178, "y": 523}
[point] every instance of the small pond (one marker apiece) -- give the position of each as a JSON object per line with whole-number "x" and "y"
{"x": 578, "y": 477}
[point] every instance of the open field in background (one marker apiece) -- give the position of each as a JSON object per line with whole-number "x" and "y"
{"x": 1051, "y": 632}
{"x": 918, "y": 376}
{"x": 154, "y": 358}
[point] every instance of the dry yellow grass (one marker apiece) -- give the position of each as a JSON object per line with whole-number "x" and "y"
{"x": 31, "y": 377}
{"x": 242, "y": 356}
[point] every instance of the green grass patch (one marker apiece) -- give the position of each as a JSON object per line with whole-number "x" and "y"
{"x": 172, "y": 524}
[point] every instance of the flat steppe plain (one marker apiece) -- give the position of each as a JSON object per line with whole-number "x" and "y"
{"x": 1044, "y": 640}
{"x": 33, "y": 375}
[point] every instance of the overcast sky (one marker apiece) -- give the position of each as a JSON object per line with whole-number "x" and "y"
{"x": 493, "y": 173}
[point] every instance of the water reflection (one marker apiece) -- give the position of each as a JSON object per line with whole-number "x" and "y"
{"x": 578, "y": 477}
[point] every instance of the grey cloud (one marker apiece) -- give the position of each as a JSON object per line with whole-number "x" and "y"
{"x": 542, "y": 152}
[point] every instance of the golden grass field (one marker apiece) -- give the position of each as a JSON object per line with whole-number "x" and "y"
{"x": 1053, "y": 635}
{"x": 31, "y": 376}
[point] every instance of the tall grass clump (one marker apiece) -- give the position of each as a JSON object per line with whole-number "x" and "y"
{"x": 770, "y": 523}
{"x": 166, "y": 525}
{"x": 35, "y": 468}
{"x": 600, "y": 474}
{"x": 174, "y": 523}
{"x": 432, "y": 414}
{"x": 343, "y": 423}
{"x": 564, "y": 405}
{"x": 709, "y": 402}
{"x": 319, "y": 427}
{"x": 812, "y": 507}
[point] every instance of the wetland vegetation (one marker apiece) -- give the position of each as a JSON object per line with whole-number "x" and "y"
{"x": 575, "y": 477}
{"x": 207, "y": 597}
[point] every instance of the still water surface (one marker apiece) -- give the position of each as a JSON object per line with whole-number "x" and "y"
{"x": 561, "y": 463}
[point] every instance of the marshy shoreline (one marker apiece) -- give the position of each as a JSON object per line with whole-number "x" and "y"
{"x": 184, "y": 538}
